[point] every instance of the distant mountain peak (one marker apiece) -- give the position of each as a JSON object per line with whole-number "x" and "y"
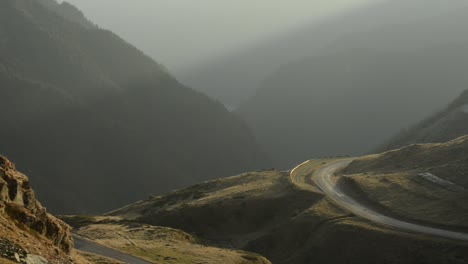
{"x": 69, "y": 12}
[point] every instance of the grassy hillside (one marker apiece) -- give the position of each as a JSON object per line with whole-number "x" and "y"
{"x": 264, "y": 213}
{"x": 30, "y": 235}
{"x": 156, "y": 244}
{"x": 424, "y": 183}
{"x": 98, "y": 124}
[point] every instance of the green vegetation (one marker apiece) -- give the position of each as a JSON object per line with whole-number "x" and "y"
{"x": 81, "y": 257}
{"x": 97, "y": 124}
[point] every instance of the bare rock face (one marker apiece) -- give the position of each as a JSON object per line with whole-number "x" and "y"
{"x": 18, "y": 202}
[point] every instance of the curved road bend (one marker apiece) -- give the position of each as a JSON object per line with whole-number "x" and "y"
{"x": 90, "y": 247}
{"x": 323, "y": 178}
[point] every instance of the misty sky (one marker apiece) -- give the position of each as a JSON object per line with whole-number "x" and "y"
{"x": 181, "y": 33}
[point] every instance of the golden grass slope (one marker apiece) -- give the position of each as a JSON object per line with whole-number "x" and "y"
{"x": 394, "y": 182}
{"x": 157, "y": 244}
{"x": 264, "y": 212}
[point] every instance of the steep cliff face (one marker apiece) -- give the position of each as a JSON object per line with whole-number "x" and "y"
{"x": 22, "y": 217}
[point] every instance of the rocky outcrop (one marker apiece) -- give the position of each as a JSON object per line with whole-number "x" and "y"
{"x": 18, "y": 203}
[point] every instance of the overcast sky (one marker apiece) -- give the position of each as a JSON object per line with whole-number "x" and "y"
{"x": 178, "y": 33}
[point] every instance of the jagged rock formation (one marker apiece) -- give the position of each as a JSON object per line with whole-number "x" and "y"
{"x": 19, "y": 205}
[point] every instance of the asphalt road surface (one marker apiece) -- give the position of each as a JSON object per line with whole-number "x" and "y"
{"x": 90, "y": 247}
{"x": 323, "y": 178}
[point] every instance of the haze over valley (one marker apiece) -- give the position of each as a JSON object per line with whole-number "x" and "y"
{"x": 240, "y": 132}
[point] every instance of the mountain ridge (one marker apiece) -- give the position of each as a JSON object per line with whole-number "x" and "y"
{"x": 440, "y": 127}
{"x": 88, "y": 102}
{"x": 235, "y": 78}
{"x": 341, "y": 109}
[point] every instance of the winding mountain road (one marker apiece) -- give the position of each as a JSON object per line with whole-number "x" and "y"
{"x": 91, "y": 247}
{"x": 323, "y": 178}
